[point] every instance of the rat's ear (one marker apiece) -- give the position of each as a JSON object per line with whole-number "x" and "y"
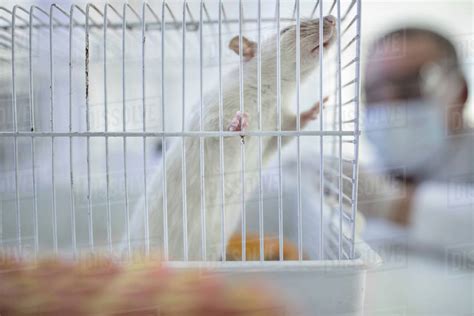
{"x": 249, "y": 48}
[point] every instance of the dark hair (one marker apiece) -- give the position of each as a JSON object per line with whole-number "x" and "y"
{"x": 444, "y": 44}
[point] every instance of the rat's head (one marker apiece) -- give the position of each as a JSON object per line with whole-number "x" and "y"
{"x": 309, "y": 44}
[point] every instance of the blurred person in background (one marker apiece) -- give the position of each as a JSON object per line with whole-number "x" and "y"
{"x": 415, "y": 97}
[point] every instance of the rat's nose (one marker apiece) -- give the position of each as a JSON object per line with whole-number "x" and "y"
{"x": 331, "y": 19}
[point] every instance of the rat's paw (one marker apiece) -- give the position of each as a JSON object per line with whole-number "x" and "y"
{"x": 312, "y": 113}
{"x": 240, "y": 122}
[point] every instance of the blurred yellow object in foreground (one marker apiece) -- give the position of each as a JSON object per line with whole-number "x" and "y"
{"x": 97, "y": 285}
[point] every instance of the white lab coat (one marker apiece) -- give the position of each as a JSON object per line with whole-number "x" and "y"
{"x": 456, "y": 163}
{"x": 442, "y": 215}
{"x": 443, "y": 206}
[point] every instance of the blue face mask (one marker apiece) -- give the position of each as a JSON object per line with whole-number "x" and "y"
{"x": 406, "y": 135}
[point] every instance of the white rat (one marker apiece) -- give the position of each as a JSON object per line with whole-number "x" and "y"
{"x": 233, "y": 121}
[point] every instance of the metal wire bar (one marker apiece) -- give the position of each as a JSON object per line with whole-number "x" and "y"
{"x": 335, "y": 189}
{"x": 334, "y": 107}
{"x": 163, "y": 139}
{"x": 344, "y": 16}
{"x": 183, "y": 140}
{"x": 189, "y": 13}
{"x": 352, "y": 41}
{"x": 150, "y": 9}
{"x": 201, "y": 140}
{"x": 280, "y": 178}
{"x": 51, "y": 86}
{"x": 348, "y": 102}
{"x": 314, "y": 9}
{"x": 8, "y": 38}
{"x": 348, "y": 240}
{"x": 339, "y": 99}
{"x": 91, "y": 5}
{"x": 7, "y": 11}
{"x": 71, "y": 164}
{"x": 15, "y": 128}
{"x": 225, "y": 19}
{"x": 88, "y": 145}
{"x": 221, "y": 139}
{"x": 106, "y": 125}
{"x": 126, "y": 7}
{"x": 335, "y": 172}
{"x": 356, "y": 129}
{"x": 348, "y": 64}
{"x": 345, "y": 240}
{"x": 335, "y": 91}
{"x": 145, "y": 165}
{"x": 177, "y": 134}
{"x": 298, "y": 128}
{"x": 332, "y": 7}
{"x": 347, "y": 217}
{"x": 124, "y": 127}
{"x": 351, "y": 161}
{"x": 13, "y": 13}
{"x": 349, "y": 83}
{"x": 109, "y": 6}
{"x": 32, "y": 128}
{"x": 321, "y": 140}
{"x": 94, "y": 23}
{"x": 106, "y": 139}
{"x": 260, "y": 128}
{"x": 242, "y": 147}
{"x": 135, "y": 13}
{"x": 6, "y": 20}
{"x": 176, "y": 25}
{"x": 206, "y": 12}
{"x": 293, "y": 14}
{"x": 349, "y": 25}
{"x": 346, "y": 255}
{"x": 145, "y": 188}
{"x": 170, "y": 12}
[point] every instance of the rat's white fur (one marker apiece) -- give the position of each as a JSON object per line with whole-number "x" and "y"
{"x": 232, "y": 161}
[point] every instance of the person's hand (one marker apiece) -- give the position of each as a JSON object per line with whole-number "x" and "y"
{"x": 402, "y": 210}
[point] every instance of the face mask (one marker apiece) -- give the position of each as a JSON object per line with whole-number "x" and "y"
{"x": 407, "y": 135}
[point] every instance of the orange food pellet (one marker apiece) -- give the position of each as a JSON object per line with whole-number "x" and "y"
{"x": 252, "y": 251}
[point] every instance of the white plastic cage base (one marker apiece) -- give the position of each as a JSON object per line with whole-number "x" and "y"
{"x": 328, "y": 287}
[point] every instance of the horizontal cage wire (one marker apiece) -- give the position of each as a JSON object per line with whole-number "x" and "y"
{"x": 190, "y": 128}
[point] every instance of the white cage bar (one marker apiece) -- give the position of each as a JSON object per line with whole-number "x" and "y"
{"x": 98, "y": 37}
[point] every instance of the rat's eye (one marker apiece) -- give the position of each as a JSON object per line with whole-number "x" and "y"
{"x": 286, "y": 29}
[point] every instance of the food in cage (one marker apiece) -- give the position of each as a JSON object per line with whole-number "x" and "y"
{"x": 97, "y": 285}
{"x": 202, "y": 154}
{"x": 252, "y": 248}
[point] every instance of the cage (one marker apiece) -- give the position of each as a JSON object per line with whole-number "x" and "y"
{"x": 96, "y": 104}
